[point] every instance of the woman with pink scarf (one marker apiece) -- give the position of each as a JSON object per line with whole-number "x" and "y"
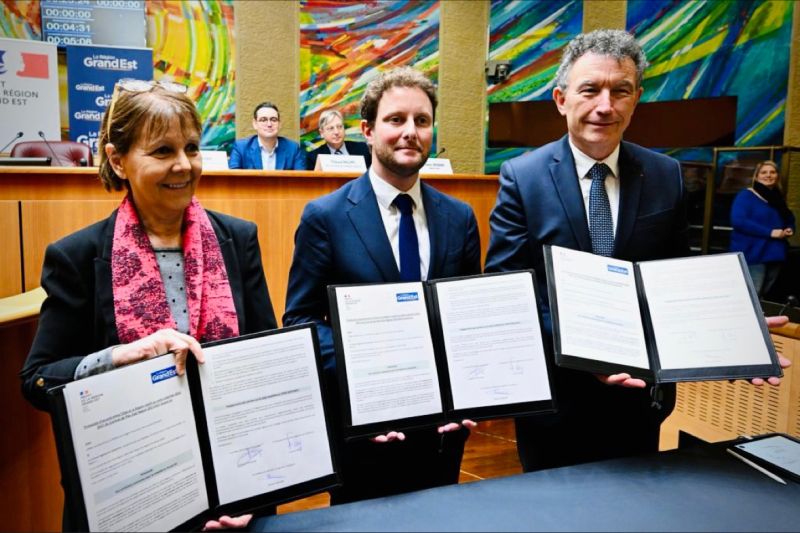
{"x": 161, "y": 274}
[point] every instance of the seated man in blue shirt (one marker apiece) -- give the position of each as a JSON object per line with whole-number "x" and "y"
{"x": 266, "y": 150}
{"x": 331, "y": 128}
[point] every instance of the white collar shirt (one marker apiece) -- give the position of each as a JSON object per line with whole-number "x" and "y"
{"x": 268, "y": 157}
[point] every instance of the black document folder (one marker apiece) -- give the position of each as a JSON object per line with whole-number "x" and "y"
{"x": 686, "y": 319}
{"x": 141, "y": 448}
{"x": 420, "y": 354}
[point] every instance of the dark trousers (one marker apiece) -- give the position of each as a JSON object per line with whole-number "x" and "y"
{"x": 594, "y": 422}
{"x": 425, "y": 459}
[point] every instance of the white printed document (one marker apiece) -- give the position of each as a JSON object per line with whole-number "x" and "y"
{"x": 414, "y": 354}
{"x": 144, "y": 449}
{"x": 685, "y": 319}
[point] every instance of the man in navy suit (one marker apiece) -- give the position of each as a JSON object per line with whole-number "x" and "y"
{"x": 331, "y": 128}
{"x": 354, "y": 235}
{"x": 545, "y": 198}
{"x": 266, "y": 150}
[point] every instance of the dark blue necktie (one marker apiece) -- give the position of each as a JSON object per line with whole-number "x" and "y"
{"x": 338, "y": 152}
{"x": 409, "y": 245}
{"x": 601, "y": 226}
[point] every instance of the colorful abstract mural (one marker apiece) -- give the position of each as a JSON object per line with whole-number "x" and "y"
{"x": 344, "y": 44}
{"x": 21, "y": 19}
{"x": 710, "y": 48}
{"x": 530, "y": 34}
{"x": 193, "y": 44}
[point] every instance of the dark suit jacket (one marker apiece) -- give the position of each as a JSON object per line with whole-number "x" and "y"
{"x": 540, "y": 202}
{"x": 77, "y": 318}
{"x": 246, "y": 153}
{"x": 341, "y": 239}
{"x": 353, "y": 148}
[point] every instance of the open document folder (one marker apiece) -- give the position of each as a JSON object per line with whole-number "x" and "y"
{"x": 687, "y": 319}
{"x": 143, "y": 449}
{"x": 413, "y": 354}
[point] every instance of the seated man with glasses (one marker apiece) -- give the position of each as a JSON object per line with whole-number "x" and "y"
{"x": 267, "y": 150}
{"x": 331, "y": 127}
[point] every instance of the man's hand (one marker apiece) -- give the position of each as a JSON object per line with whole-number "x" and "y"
{"x": 227, "y": 522}
{"x": 455, "y": 426}
{"x": 622, "y": 380}
{"x": 389, "y": 437}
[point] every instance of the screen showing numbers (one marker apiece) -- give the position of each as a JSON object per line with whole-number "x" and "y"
{"x": 97, "y": 22}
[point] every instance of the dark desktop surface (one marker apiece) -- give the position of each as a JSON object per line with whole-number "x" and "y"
{"x": 25, "y": 161}
{"x": 696, "y": 489}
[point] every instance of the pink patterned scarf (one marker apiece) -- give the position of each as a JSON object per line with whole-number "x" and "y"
{"x": 140, "y": 301}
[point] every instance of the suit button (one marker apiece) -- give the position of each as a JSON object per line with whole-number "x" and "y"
{"x": 40, "y": 382}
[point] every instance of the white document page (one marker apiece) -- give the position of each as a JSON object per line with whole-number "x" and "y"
{"x": 493, "y": 340}
{"x": 391, "y": 370}
{"x": 598, "y": 309}
{"x": 702, "y": 313}
{"x": 264, "y": 410}
{"x": 136, "y": 447}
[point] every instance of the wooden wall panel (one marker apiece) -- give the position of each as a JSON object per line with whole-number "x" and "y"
{"x": 46, "y": 221}
{"x": 11, "y": 265}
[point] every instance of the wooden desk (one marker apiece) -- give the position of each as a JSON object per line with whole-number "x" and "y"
{"x": 54, "y": 202}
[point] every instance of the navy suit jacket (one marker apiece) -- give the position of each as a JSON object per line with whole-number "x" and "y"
{"x": 77, "y": 318}
{"x": 246, "y": 153}
{"x": 353, "y": 148}
{"x": 540, "y": 202}
{"x": 341, "y": 239}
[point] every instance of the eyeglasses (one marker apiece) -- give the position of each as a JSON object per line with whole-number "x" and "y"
{"x": 264, "y": 120}
{"x": 333, "y": 127}
{"x": 139, "y": 86}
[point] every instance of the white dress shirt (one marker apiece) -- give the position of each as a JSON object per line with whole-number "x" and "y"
{"x": 268, "y": 157}
{"x": 386, "y": 193}
{"x": 583, "y": 163}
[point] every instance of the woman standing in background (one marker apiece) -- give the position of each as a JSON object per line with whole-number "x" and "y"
{"x": 761, "y": 224}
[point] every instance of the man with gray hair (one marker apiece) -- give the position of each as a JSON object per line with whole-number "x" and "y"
{"x": 331, "y": 128}
{"x": 594, "y": 192}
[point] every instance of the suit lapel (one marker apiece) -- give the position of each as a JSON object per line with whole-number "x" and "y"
{"x": 630, "y": 184}
{"x": 565, "y": 179}
{"x": 104, "y": 288}
{"x": 255, "y": 153}
{"x": 437, "y": 230}
{"x": 366, "y": 219}
{"x": 232, "y": 268}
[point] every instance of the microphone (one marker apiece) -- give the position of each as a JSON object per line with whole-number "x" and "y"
{"x": 82, "y": 162}
{"x": 50, "y": 146}
{"x": 17, "y": 136}
{"x": 440, "y": 152}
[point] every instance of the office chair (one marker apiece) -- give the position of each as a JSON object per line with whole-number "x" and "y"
{"x": 67, "y": 153}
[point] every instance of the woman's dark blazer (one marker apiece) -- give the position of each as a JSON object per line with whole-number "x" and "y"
{"x": 77, "y": 318}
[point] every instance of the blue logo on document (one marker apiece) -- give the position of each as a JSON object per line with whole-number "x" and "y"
{"x": 164, "y": 373}
{"x": 407, "y": 296}
{"x": 618, "y": 269}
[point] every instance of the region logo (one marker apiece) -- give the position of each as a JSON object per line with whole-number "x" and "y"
{"x": 407, "y": 296}
{"x": 164, "y": 373}
{"x": 88, "y": 114}
{"x": 34, "y": 66}
{"x": 2, "y": 62}
{"x": 90, "y": 88}
{"x": 617, "y": 270}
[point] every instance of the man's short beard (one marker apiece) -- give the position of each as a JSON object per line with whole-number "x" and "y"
{"x": 390, "y": 163}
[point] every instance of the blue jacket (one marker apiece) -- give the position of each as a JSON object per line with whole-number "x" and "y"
{"x": 753, "y": 220}
{"x": 246, "y": 153}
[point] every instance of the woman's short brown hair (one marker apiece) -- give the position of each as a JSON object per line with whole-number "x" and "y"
{"x": 137, "y": 113}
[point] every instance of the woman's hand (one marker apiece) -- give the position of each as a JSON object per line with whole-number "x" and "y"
{"x": 788, "y": 232}
{"x": 159, "y": 343}
{"x": 780, "y": 233}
